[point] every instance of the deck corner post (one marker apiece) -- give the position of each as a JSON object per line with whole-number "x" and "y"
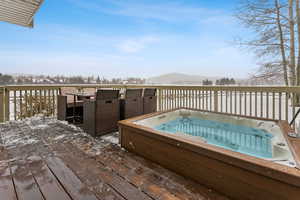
{"x": 4, "y": 104}
{"x": 216, "y": 103}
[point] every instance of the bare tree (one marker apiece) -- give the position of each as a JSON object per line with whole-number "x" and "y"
{"x": 298, "y": 32}
{"x": 281, "y": 38}
{"x": 271, "y": 42}
{"x": 292, "y": 63}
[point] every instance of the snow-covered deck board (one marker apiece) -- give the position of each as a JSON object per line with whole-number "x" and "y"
{"x": 42, "y": 158}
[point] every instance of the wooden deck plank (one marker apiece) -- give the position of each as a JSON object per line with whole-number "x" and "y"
{"x": 7, "y": 190}
{"x": 71, "y": 183}
{"x": 87, "y": 172}
{"x": 47, "y": 182}
{"x": 127, "y": 190}
{"x": 112, "y": 174}
{"x": 135, "y": 176}
{"x": 86, "y": 175}
{"x": 25, "y": 185}
{"x": 154, "y": 179}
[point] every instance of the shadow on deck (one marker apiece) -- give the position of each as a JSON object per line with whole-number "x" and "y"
{"x": 42, "y": 158}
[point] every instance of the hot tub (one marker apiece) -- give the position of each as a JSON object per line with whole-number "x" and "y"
{"x": 262, "y": 139}
{"x": 245, "y": 158}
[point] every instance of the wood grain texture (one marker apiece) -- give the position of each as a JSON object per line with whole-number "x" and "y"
{"x": 75, "y": 188}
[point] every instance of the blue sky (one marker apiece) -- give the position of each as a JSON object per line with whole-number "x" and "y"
{"x": 122, "y": 38}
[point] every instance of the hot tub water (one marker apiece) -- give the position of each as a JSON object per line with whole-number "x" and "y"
{"x": 247, "y": 140}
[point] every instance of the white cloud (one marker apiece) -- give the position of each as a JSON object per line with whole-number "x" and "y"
{"x": 173, "y": 12}
{"x": 136, "y": 45}
{"x": 218, "y": 19}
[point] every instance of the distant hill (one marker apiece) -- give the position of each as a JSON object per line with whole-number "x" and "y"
{"x": 179, "y": 78}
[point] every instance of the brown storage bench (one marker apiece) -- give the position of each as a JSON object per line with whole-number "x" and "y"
{"x": 101, "y": 116}
{"x": 149, "y": 101}
{"x": 131, "y": 104}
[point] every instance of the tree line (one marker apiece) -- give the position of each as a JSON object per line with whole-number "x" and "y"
{"x": 222, "y": 81}
{"x": 6, "y": 79}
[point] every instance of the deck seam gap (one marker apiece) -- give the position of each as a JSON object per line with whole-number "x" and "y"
{"x": 12, "y": 178}
{"x": 37, "y": 185}
{"x": 140, "y": 189}
{"x": 104, "y": 182}
{"x": 60, "y": 183}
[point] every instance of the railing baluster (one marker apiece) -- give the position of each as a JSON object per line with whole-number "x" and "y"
{"x": 41, "y": 100}
{"x": 21, "y": 104}
{"x": 240, "y": 92}
{"x": 15, "y": 105}
{"x": 273, "y": 105}
{"x": 261, "y": 104}
{"x": 280, "y": 105}
{"x": 175, "y": 98}
{"x": 221, "y": 93}
{"x": 230, "y": 93}
{"x": 216, "y": 100}
{"x": 235, "y": 102}
{"x": 45, "y": 101}
{"x": 180, "y": 98}
{"x": 250, "y": 104}
{"x": 26, "y": 103}
{"x": 184, "y": 98}
{"x": 53, "y": 102}
{"x": 226, "y": 101}
{"x": 2, "y": 105}
{"x": 202, "y": 99}
{"x": 255, "y": 104}
{"x": 36, "y": 103}
{"x": 206, "y": 99}
{"x": 7, "y": 104}
{"x": 267, "y": 106}
{"x": 245, "y": 102}
{"x": 171, "y": 98}
{"x": 286, "y": 106}
{"x": 193, "y": 98}
{"x": 189, "y": 100}
{"x": 294, "y": 105}
{"x": 197, "y": 99}
{"x": 166, "y": 99}
{"x": 30, "y": 103}
{"x": 210, "y": 100}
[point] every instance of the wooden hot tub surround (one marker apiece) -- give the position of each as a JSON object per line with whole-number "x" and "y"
{"x": 237, "y": 175}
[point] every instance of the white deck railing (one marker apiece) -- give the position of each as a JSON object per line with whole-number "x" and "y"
{"x": 279, "y": 103}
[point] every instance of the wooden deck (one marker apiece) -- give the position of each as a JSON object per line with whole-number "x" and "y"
{"x": 49, "y": 160}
